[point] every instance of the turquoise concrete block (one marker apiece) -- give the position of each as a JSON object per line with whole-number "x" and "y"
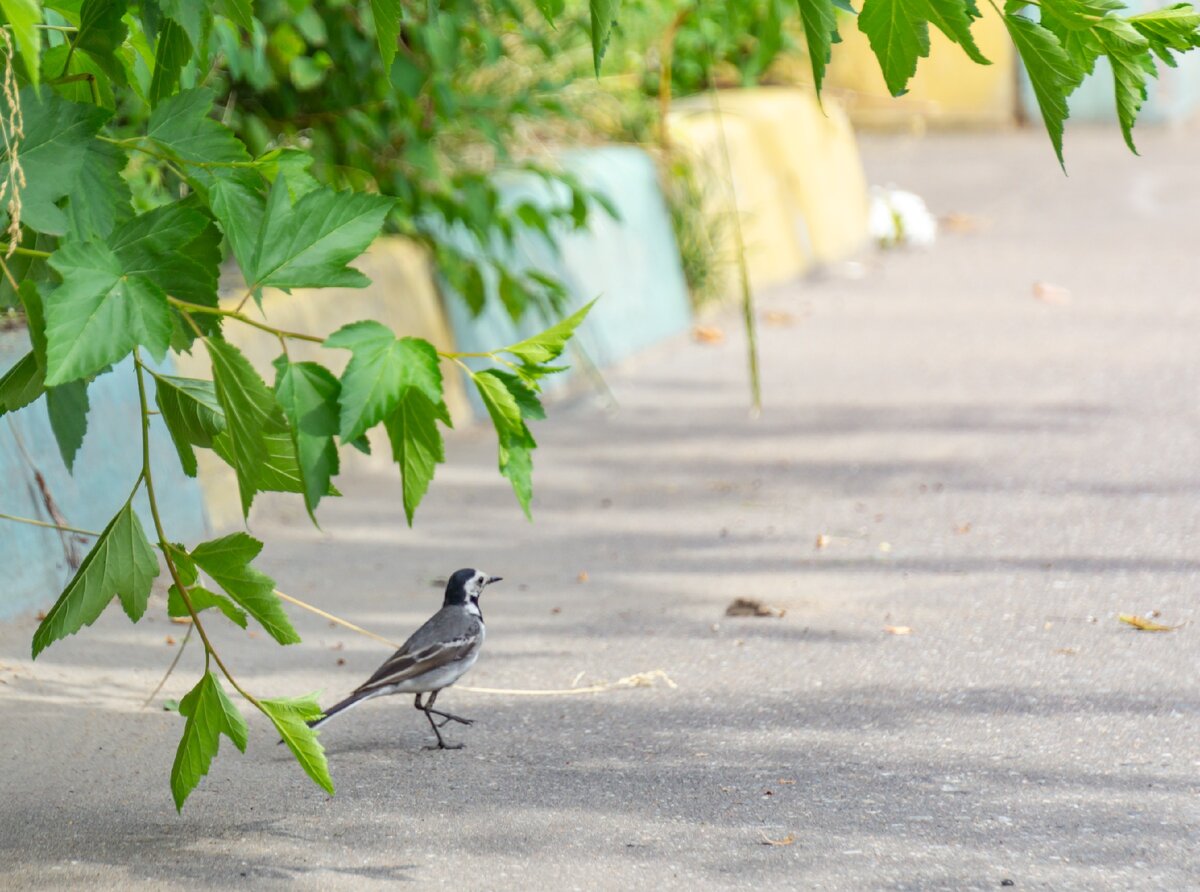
{"x": 631, "y": 264}
{"x": 1173, "y": 97}
{"x": 35, "y": 563}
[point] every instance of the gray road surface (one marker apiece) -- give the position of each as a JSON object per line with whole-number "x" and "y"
{"x": 1000, "y": 474}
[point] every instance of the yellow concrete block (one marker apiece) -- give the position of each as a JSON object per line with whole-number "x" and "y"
{"x": 947, "y": 90}
{"x": 797, "y": 178}
{"x": 814, "y": 152}
{"x": 402, "y": 296}
{"x": 774, "y": 251}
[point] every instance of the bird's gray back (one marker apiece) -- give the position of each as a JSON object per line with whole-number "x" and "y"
{"x": 448, "y": 624}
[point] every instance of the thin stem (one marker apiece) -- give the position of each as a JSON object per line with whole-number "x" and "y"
{"x": 135, "y": 143}
{"x": 171, "y": 668}
{"x": 9, "y": 276}
{"x": 50, "y": 526}
{"x": 245, "y": 297}
{"x": 186, "y": 308}
{"x": 163, "y": 543}
{"x": 743, "y": 270}
{"x": 28, "y": 252}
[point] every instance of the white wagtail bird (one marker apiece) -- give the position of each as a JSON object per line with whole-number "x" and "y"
{"x": 434, "y": 657}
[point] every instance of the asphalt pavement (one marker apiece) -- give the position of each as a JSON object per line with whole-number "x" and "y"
{"x": 972, "y": 459}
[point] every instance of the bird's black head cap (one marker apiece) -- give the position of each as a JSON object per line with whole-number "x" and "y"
{"x": 465, "y": 586}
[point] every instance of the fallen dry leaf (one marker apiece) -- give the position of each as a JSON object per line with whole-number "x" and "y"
{"x": 708, "y": 334}
{"x": 786, "y": 781}
{"x": 1067, "y": 651}
{"x": 181, "y": 620}
{"x": 1144, "y": 625}
{"x": 40, "y": 615}
{"x": 582, "y": 577}
{"x": 898, "y": 630}
{"x": 1051, "y": 294}
{"x": 779, "y": 319}
{"x": 750, "y": 607}
{"x": 822, "y": 541}
{"x": 786, "y": 841}
{"x": 963, "y": 528}
{"x": 954, "y": 222}
{"x": 170, "y": 641}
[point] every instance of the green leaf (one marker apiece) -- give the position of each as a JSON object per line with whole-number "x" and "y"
{"x": 173, "y": 51}
{"x": 195, "y": 18}
{"x": 1129, "y": 53}
{"x": 58, "y": 134}
{"x": 291, "y": 718}
{"x": 202, "y": 599}
{"x": 294, "y": 166}
{"x": 101, "y": 34}
{"x": 101, "y": 198}
{"x": 603, "y": 18}
{"x": 240, "y": 12}
{"x": 239, "y": 208}
{"x": 210, "y": 713}
{"x": 227, "y": 562}
{"x": 550, "y": 9}
{"x": 1051, "y": 72}
{"x": 386, "y": 14}
{"x": 821, "y": 32}
{"x": 1173, "y": 28}
{"x": 99, "y": 313}
{"x": 515, "y": 442}
{"x": 67, "y": 406}
{"x": 21, "y": 384}
{"x": 416, "y": 445}
{"x": 176, "y": 247}
{"x": 898, "y": 34}
{"x": 308, "y": 244}
{"x": 24, "y": 16}
{"x": 308, "y": 393}
{"x": 184, "y": 129}
{"x": 251, "y": 412}
{"x": 192, "y": 413}
{"x": 120, "y": 564}
{"x": 526, "y": 399}
{"x": 549, "y": 345}
{"x": 953, "y": 18}
{"x": 381, "y": 370}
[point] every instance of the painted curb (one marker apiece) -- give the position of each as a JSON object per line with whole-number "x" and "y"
{"x": 35, "y": 560}
{"x": 798, "y": 180}
{"x": 631, "y": 264}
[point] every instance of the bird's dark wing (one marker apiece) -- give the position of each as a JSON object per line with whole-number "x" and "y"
{"x": 413, "y": 659}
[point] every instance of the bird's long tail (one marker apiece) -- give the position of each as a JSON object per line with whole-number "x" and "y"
{"x": 338, "y": 708}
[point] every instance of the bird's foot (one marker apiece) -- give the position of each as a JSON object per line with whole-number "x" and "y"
{"x": 440, "y": 745}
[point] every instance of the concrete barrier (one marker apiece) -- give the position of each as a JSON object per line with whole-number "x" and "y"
{"x": 402, "y": 296}
{"x": 37, "y": 562}
{"x": 798, "y": 182}
{"x": 631, "y": 264}
{"x": 948, "y": 90}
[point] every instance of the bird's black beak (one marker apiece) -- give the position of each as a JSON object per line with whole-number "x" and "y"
{"x": 492, "y": 579}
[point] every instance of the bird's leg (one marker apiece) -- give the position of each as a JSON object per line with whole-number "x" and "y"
{"x": 447, "y": 717}
{"x": 441, "y": 744}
